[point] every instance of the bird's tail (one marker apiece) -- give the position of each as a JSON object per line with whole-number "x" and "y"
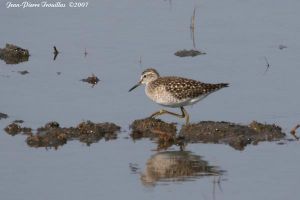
{"x": 214, "y": 87}
{"x": 222, "y": 85}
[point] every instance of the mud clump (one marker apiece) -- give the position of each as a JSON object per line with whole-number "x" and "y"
{"x": 152, "y": 128}
{"x": 51, "y": 135}
{"x": 50, "y": 125}
{"x": 3, "y": 116}
{"x": 164, "y": 133}
{"x": 190, "y": 53}
{"x": 13, "y": 54}
{"x": 91, "y": 80}
{"x": 14, "y": 129}
{"x": 235, "y": 135}
{"x": 89, "y": 132}
{"x": 53, "y": 138}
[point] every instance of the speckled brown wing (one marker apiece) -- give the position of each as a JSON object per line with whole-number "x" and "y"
{"x": 183, "y": 88}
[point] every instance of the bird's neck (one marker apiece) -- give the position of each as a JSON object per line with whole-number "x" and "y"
{"x": 150, "y": 85}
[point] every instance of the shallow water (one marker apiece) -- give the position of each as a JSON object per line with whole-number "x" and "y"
{"x": 236, "y": 35}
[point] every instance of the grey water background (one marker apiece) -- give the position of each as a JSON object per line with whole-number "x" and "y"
{"x": 235, "y": 34}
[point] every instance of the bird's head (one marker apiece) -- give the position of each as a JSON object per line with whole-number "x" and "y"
{"x": 147, "y": 76}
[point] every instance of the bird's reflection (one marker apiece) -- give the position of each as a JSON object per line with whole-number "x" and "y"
{"x": 176, "y": 166}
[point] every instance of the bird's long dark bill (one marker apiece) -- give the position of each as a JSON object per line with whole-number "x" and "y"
{"x": 135, "y": 86}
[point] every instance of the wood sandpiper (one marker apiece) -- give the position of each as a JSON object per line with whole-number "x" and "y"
{"x": 175, "y": 92}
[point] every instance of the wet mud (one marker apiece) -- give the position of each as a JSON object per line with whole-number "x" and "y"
{"x": 152, "y": 128}
{"x": 51, "y": 135}
{"x": 3, "y": 116}
{"x": 13, "y": 54}
{"x": 14, "y": 129}
{"x": 188, "y": 53}
{"x": 165, "y": 134}
{"x": 176, "y": 166}
{"x": 156, "y": 129}
{"x": 235, "y": 135}
{"x": 91, "y": 80}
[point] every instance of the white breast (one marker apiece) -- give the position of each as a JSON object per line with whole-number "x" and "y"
{"x": 164, "y": 98}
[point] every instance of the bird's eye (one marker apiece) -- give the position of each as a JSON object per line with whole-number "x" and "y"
{"x": 144, "y": 76}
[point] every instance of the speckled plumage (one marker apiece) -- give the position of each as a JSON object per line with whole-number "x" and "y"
{"x": 182, "y": 88}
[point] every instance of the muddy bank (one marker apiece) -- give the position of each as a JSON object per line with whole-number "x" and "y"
{"x": 3, "y": 116}
{"x": 236, "y": 135}
{"x": 52, "y": 135}
{"x": 176, "y": 166}
{"x": 188, "y": 53}
{"x": 13, "y": 54}
{"x": 165, "y": 134}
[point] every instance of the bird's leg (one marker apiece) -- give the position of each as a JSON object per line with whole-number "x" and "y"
{"x": 184, "y": 114}
{"x": 161, "y": 112}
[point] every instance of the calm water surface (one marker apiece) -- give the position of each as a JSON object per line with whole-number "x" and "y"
{"x": 236, "y": 35}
